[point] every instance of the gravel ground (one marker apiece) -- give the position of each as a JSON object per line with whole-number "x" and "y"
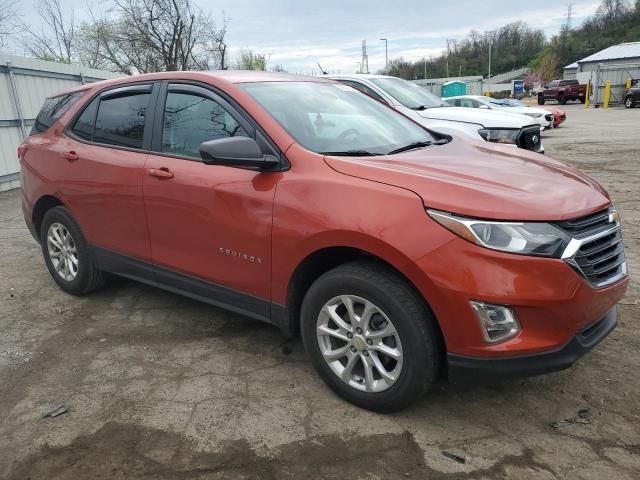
{"x": 158, "y": 386}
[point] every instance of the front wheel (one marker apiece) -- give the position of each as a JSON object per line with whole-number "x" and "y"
{"x": 562, "y": 100}
{"x": 370, "y": 336}
{"x": 540, "y": 99}
{"x": 628, "y": 102}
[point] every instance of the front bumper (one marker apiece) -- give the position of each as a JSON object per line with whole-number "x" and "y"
{"x": 551, "y": 301}
{"x": 463, "y": 369}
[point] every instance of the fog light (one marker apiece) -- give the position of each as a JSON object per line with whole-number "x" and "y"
{"x": 497, "y": 322}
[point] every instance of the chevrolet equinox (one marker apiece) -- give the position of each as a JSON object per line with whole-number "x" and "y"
{"x": 399, "y": 254}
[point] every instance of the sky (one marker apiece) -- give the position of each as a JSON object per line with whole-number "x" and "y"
{"x": 299, "y": 33}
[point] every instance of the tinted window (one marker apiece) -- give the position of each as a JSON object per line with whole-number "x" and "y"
{"x": 409, "y": 94}
{"x": 52, "y": 110}
{"x": 83, "y": 127}
{"x": 190, "y": 120}
{"x": 120, "y": 120}
{"x": 363, "y": 88}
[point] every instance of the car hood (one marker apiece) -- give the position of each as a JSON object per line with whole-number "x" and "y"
{"x": 487, "y": 118}
{"x": 525, "y": 110}
{"x": 476, "y": 179}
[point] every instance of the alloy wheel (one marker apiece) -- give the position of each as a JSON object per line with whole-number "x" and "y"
{"x": 359, "y": 343}
{"x": 62, "y": 251}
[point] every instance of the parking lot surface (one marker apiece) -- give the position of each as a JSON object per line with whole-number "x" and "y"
{"x": 158, "y": 386}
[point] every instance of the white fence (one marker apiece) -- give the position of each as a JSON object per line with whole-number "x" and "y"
{"x": 24, "y": 84}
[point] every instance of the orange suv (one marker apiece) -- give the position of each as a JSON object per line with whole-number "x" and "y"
{"x": 398, "y": 253}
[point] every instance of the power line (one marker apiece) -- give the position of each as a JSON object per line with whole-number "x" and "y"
{"x": 569, "y": 15}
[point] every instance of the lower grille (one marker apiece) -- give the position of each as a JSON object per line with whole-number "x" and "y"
{"x": 596, "y": 251}
{"x": 530, "y": 139}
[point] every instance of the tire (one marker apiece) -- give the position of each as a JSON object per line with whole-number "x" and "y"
{"x": 540, "y": 99}
{"x": 562, "y": 100}
{"x": 583, "y": 100}
{"x": 87, "y": 277}
{"x": 415, "y": 336}
{"x": 628, "y": 102}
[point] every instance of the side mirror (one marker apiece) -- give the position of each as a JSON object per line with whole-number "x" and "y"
{"x": 241, "y": 152}
{"x": 484, "y": 107}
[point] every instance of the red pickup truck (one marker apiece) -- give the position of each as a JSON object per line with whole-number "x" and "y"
{"x": 562, "y": 91}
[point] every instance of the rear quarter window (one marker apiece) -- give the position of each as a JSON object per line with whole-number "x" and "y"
{"x": 52, "y": 109}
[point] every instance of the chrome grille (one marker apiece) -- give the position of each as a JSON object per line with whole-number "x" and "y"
{"x": 596, "y": 250}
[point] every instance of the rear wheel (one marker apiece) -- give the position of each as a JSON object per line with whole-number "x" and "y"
{"x": 67, "y": 254}
{"x": 370, "y": 336}
{"x": 628, "y": 102}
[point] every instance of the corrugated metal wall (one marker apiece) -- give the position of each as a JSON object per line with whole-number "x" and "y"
{"x": 617, "y": 74}
{"x": 34, "y": 80}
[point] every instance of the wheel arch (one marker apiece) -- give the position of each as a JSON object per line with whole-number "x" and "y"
{"x": 41, "y": 207}
{"x": 321, "y": 260}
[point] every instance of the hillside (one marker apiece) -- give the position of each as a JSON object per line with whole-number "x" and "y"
{"x": 516, "y": 44}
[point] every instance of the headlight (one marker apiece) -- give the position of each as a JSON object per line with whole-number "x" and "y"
{"x": 534, "y": 115}
{"x": 525, "y": 238}
{"x": 499, "y": 135}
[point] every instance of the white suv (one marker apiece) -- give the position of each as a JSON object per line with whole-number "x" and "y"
{"x": 432, "y": 112}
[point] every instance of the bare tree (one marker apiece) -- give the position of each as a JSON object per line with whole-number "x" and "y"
{"x": 56, "y": 40}
{"x": 611, "y": 10}
{"x": 548, "y": 67}
{"x": 9, "y": 20}
{"x": 140, "y": 36}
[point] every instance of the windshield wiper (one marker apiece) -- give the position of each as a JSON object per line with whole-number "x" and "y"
{"x": 413, "y": 145}
{"x": 352, "y": 153}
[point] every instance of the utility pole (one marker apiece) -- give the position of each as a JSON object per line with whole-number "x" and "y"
{"x": 490, "y": 44}
{"x": 425, "y": 68}
{"x": 490, "y": 34}
{"x": 386, "y": 52}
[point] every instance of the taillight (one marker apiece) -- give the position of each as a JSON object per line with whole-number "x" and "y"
{"x": 22, "y": 149}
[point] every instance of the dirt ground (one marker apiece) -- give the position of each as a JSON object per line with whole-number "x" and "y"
{"x": 159, "y": 386}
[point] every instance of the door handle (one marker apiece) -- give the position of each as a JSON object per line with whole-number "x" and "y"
{"x": 71, "y": 156}
{"x": 160, "y": 172}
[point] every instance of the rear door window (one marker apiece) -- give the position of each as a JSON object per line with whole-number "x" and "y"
{"x": 52, "y": 109}
{"x": 121, "y": 118}
{"x": 83, "y": 126}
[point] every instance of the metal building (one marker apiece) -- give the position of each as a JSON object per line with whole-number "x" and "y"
{"x": 24, "y": 84}
{"x": 615, "y": 64}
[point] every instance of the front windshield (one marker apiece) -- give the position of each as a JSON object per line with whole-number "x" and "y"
{"x": 333, "y": 118}
{"x": 409, "y": 94}
{"x": 496, "y": 102}
{"x": 512, "y": 102}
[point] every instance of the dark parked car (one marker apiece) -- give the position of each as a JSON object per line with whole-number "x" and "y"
{"x": 632, "y": 96}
